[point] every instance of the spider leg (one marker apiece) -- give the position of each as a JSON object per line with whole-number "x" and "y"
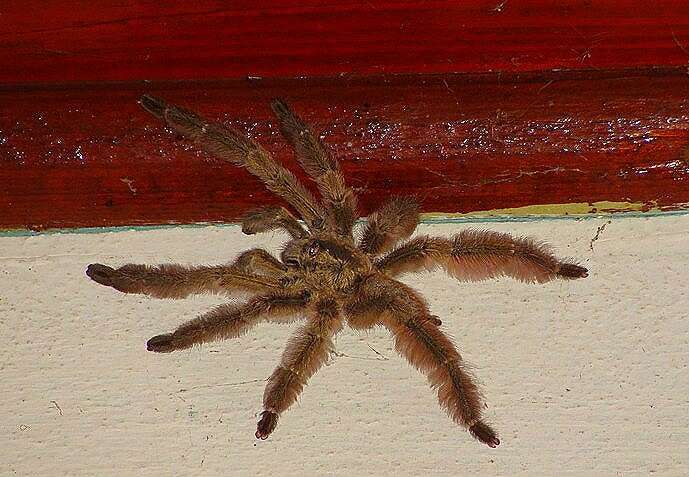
{"x": 418, "y": 338}
{"x": 474, "y": 255}
{"x": 259, "y": 262}
{"x": 228, "y": 144}
{"x": 394, "y": 221}
{"x": 306, "y": 351}
{"x": 340, "y": 200}
{"x": 230, "y": 321}
{"x": 272, "y": 218}
{"x": 178, "y": 281}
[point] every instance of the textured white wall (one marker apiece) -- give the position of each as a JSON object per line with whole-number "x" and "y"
{"x": 588, "y": 377}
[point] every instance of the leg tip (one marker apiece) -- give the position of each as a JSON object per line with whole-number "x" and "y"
{"x": 483, "y": 433}
{"x": 100, "y": 273}
{"x": 153, "y": 105}
{"x": 569, "y": 270}
{"x": 160, "y": 344}
{"x": 279, "y": 106}
{"x": 267, "y": 424}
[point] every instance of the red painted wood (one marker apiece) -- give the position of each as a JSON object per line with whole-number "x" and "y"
{"x": 87, "y": 155}
{"x": 68, "y": 40}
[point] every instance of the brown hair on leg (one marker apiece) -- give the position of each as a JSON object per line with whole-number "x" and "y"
{"x": 394, "y": 221}
{"x": 229, "y": 321}
{"x": 318, "y": 163}
{"x": 418, "y": 338}
{"x": 259, "y": 262}
{"x": 229, "y": 144}
{"x": 178, "y": 281}
{"x": 420, "y": 341}
{"x": 272, "y": 218}
{"x": 474, "y": 255}
{"x": 307, "y": 350}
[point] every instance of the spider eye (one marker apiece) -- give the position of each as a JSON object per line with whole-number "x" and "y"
{"x": 313, "y": 249}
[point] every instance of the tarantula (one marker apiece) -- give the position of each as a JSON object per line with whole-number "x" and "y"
{"x": 326, "y": 275}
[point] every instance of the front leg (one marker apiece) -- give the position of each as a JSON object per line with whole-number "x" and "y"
{"x": 340, "y": 200}
{"x": 177, "y": 281}
{"x": 259, "y": 262}
{"x": 272, "y": 218}
{"x": 306, "y": 352}
{"x": 418, "y": 338}
{"x": 394, "y": 221}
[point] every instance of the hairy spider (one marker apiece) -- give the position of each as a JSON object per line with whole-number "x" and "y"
{"x": 327, "y": 276}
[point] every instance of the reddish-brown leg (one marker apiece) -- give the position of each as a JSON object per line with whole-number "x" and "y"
{"x": 393, "y": 221}
{"x": 306, "y": 351}
{"x": 317, "y": 162}
{"x": 229, "y": 321}
{"x": 178, "y": 281}
{"x": 233, "y": 146}
{"x": 418, "y": 338}
{"x": 475, "y": 255}
{"x": 272, "y": 218}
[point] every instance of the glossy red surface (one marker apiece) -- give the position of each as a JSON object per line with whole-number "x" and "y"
{"x": 67, "y": 40}
{"x": 88, "y": 155}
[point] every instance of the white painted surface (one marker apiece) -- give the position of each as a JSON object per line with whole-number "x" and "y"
{"x": 588, "y": 377}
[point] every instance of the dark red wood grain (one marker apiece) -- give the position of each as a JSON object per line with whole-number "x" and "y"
{"x": 87, "y": 155}
{"x": 68, "y": 40}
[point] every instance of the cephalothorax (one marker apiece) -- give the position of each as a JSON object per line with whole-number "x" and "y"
{"x": 327, "y": 277}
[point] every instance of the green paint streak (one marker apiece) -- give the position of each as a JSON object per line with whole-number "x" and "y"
{"x": 532, "y": 213}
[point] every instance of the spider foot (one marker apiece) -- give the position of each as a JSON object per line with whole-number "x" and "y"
{"x": 153, "y": 105}
{"x": 267, "y": 424}
{"x": 569, "y": 270}
{"x": 101, "y": 274}
{"x": 161, "y": 344}
{"x": 109, "y": 277}
{"x": 435, "y": 320}
{"x": 485, "y": 434}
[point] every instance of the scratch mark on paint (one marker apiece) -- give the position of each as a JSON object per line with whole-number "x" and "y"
{"x": 380, "y": 356}
{"x": 204, "y": 386}
{"x": 598, "y": 232}
{"x": 677, "y": 42}
{"x": 57, "y": 406}
{"x": 514, "y": 177}
{"x": 385, "y": 358}
{"x": 540, "y": 90}
{"x": 452, "y": 91}
{"x": 499, "y": 7}
{"x": 129, "y": 183}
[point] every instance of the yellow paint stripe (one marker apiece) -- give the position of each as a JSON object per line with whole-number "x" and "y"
{"x": 577, "y": 208}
